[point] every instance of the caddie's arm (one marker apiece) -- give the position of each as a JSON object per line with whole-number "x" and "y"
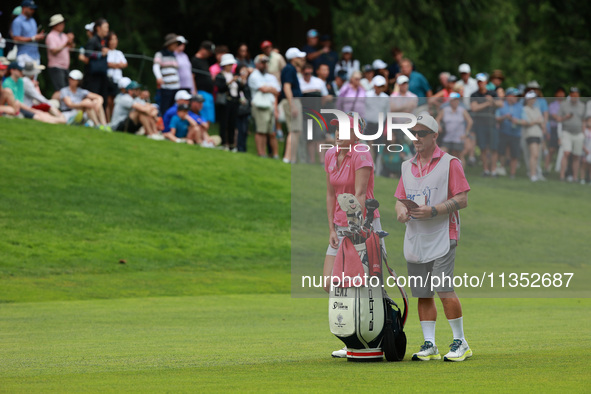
{"x": 402, "y": 214}
{"x": 457, "y": 202}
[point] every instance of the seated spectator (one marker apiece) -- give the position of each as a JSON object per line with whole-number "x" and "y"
{"x": 183, "y": 128}
{"x": 457, "y": 124}
{"x": 15, "y": 95}
{"x": 77, "y": 102}
{"x": 8, "y": 105}
{"x": 130, "y": 114}
{"x": 58, "y": 52}
{"x": 403, "y": 100}
{"x": 380, "y": 68}
{"x": 33, "y": 97}
{"x": 195, "y": 109}
{"x": 182, "y": 97}
{"x": 368, "y": 75}
{"x": 166, "y": 71}
{"x": 310, "y": 85}
{"x": 442, "y": 96}
{"x": 117, "y": 62}
{"x": 339, "y": 81}
{"x": 322, "y": 73}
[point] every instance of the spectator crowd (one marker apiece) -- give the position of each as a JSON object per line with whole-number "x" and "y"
{"x": 481, "y": 121}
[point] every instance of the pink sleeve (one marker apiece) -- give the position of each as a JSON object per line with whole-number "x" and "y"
{"x": 51, "y": 41}
{"x": 457, "y": 180}
{"x": 400, "y": 192}
{"x": 362, "y": 159}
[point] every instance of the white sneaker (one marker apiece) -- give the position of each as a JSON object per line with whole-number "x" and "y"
{"x": 533, "y": 178}
{"x": 341, "y": 353}
{"x": 428, "y": 352}
{"x": 458, "y": 351}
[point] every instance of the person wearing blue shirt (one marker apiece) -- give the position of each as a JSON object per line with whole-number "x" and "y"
{"x": 24, "y": 32}
{"x": 289, "y": 101}
{"x": 510, "y": 117}
{"x": 417, "y": 84}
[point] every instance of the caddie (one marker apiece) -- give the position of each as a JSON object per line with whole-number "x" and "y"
{"x": 435, "y": 181}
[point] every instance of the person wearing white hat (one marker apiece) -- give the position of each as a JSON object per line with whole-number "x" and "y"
{"x": 58, "y": 53}
{"x": 435, "y": 182}
{"x": 403, "y": 100}
{"x": 347, "y": 62}
{"x": 533, "y": 132}
{"x": 417, "y": 83}
{"x": 130, "y": 114}
{"x": 376, "y": 102}
{"x": 466, "y": 82}
{"x": 289, "y": 100}
{"x": 76, "y": 102}
{"x": 182, "y": 97}
{"x": 228, "y": 99}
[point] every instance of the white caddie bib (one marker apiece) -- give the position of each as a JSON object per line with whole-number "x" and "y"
{"x": 427, "y": 239}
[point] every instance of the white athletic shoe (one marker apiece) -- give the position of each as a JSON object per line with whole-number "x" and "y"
{"x": 458, "y": 351}
{"x": 428, "y": 352}
{"x": 341, "y": 353}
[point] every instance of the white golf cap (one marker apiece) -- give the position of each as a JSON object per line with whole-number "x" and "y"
{"x": 530, "y": 95}
{"x": 227, "y": 59}
{"x": 379, "y": 64}
{"x": 124, "y": 82}
{"x": 76, "y": 75}
{"x": 428, "y": 121}
{"x": 347, "y": 49}
{"x": 89, "y": 26}
{"x": 378, "y": 80}
{"x": 482, "y": 77}
{"x": 182, "y": 39}
{"x": 402, "y": 79}
{"x": 182, "y": 95}
{"x": 464, "y": 68}
{"x": 293, "y": 53}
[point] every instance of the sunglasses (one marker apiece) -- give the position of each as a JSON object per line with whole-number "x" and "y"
{"x": 420, "y": 133}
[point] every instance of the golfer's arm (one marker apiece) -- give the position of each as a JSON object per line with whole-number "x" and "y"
{"x": 330, "y": 203}
{"x": 457, "y": 202}
{"x": 361, "y": 180}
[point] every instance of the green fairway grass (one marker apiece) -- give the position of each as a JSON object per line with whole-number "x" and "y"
{"x": 203, "y": 301}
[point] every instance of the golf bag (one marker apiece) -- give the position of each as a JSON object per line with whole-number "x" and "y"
{"x": 361, "y": 313}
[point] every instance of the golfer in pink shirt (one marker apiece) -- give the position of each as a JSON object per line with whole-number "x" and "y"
{"x": 435, "y": 181}
{"x": 347, "y": 171}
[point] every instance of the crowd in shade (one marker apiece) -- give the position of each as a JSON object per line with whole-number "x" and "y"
{"x": 481, "y": 121}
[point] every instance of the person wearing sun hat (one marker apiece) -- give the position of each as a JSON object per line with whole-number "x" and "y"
{"x": 166, "y": 71}
{"x": 435, "y": 182}
{"x": 58, "y": 53}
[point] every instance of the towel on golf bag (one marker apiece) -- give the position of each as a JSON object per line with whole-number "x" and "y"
{"x": 347, "y": 266}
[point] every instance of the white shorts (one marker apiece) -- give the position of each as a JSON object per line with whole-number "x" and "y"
{"x": 377, "y": 226}
{"x": 572, "y": 142}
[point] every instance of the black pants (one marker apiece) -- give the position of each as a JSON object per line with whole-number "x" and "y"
{"x": 166, "y": 99}
{"x": 242, "y": 126}
{"x": 227, "y": 117}
{"x": 58, "y": 77}
{"x": 99, "y": 84}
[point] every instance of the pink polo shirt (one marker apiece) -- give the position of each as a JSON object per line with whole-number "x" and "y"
{"x": 457, "y": 182}
{"x": 56, "y": 40}
{"x": 342, "y": 178}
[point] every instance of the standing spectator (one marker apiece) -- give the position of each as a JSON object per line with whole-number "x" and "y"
{"x": 466, "y": 82}
{"x": 586, "y": 165}
{"x": 534, "y": 130}
{"x": 347, "y": 62}
{"x": 322, "y": 74}
{"x": 58, "y": 52}
{"x": 403, "y": 100}
{"x": 352, "y": 96}
{"x": 483, "y": 105}
{"x": 75, "y": 100}
{"x": 311, "y": 47}
{"x": 117, "y": 62}
{"x": 571, "y": 114}
{"x": 216, "y": 68}
{"x": 496, "y": 80}
{"x": 417, "y": 83}
{"x": 228, "y": 99}
{"x": 542, "y": 105}
{"x": 166, "y": 70}
{"x": 244, "y": 110}
{"x": 290, "y": 101}
{"x": 265, "y": 89}
{"x": 25, "y": 33}
{"x": 368, "y": 74}
{"x": 243, "y": 57}
{"x": 310, "y": 85}
{"x": 377, "y": 101}
{"x": 203, "y": 79}
{"x": 457, "y": 123}
{"x": 186, "y": 78}
{"x": 328, "y": 56}
{"x": 276, "y": 60}
{"x": 380, "y": 68}
{"x": 442, "y": 96}
{"x": 95, "y": 57}
{"x": 443, "y": 78}
{"x": 394, "y": 67}
{"x": 510, "y": 119}
{"x": 313, "y": 88}
{"x": 553, "y": 110}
